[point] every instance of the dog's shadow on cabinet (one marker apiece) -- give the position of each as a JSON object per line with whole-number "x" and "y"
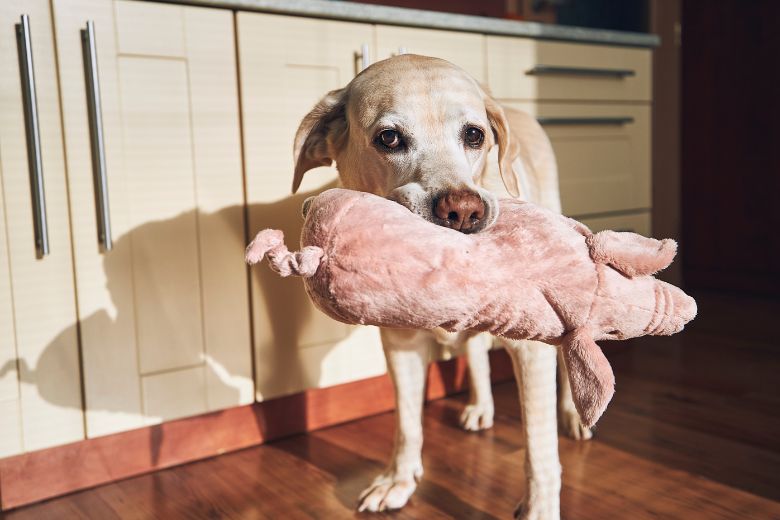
{"x": 280, "y": 315}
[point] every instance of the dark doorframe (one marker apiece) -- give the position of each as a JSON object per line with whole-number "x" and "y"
{"x": 731, "y": 145}
{"x": 665, "y": 17}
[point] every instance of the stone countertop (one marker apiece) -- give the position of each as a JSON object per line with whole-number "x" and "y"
{"x": 367, "y": 13}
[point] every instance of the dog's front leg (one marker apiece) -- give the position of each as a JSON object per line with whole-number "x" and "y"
{"x": 478, "y": 414}
{"x": 534, "y": 365}
{"x": 407, "y": 354}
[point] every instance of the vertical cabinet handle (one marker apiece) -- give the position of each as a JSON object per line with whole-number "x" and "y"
{"x": 95, "y": 112}
{"x": 32, "y": 131}
{"x": 402, "y": 50}
{"x": 363, "y": 58}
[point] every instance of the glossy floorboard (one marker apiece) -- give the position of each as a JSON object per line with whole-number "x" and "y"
{"x": 693, "y": 432}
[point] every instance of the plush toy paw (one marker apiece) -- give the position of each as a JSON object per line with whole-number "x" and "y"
{"x": 476, "y": 417}
{"x": 390, "y": 490}
{"x": 570, "y": 425}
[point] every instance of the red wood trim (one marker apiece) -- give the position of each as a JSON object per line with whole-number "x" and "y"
{"x": 449, "y": 377}
{"x": 38, "y": 475}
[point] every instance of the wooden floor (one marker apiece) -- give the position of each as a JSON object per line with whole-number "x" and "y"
{"x": 693, "y": 432}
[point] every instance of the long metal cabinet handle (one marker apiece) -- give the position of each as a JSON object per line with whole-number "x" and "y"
{"x": 95, "y": 111}
{"x": 590, "y": 121}
{"x": 553, "y": 70}
{"x": 32, "y": 130}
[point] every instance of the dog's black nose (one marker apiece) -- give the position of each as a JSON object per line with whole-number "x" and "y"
{"x": 462, "y": 210}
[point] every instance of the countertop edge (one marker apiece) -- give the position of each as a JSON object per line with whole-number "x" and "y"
{"x": 368, "y": 13}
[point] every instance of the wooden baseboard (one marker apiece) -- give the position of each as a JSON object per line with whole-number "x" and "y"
{"x": 38, "y": 475}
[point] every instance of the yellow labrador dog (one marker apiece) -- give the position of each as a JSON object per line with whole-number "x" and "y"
{"x": 420, "y": 131}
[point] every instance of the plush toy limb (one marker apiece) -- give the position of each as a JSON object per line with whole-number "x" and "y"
{"x": 631, "y": 254}
{"x": 590, "y": 375}
{"x": 271, "y": 242}
{"x": 569, "y": 422}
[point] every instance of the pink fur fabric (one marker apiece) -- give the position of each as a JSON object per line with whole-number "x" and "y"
{"x": 534, "y": 274}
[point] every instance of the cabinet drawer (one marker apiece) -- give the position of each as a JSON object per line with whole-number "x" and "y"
{"x": 527, "y": 69}
{"x": 634, "y": 222}
{"x": 603, "y": 154}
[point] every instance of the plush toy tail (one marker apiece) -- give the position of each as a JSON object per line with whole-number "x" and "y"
{"x": 631, "y": 254}
{"x": 590, "y": 375}
{"x": 271, "y": 242}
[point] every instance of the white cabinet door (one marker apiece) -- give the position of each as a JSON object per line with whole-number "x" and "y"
{"x": 164, "y": 313}
{"x": 40, "y": 389}
{"x": 287, "y": 64}
{"x": 466, "y": 50}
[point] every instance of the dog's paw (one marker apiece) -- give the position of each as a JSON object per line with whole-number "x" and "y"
{"x": 526, "y": 511}
{"x": 390, "y": 490}
{"x": 540, "y": 506}
{"x": 543, "y": 496}
{"x": 476, "y": 417}
{"x": 570, "y": 425}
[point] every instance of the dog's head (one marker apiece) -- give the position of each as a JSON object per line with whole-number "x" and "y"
{"x": 416, "y": 130}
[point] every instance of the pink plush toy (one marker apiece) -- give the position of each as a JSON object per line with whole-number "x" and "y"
{"x": 534, "y": 274}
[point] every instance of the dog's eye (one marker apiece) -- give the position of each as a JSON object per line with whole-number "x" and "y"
{"x": 474, "y": 136}
{"x": 389, "y": 139}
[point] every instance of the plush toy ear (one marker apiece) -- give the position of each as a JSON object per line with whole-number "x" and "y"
{"x": 631, "y": 254}
{"x": 318, "y": 135}
{"x": 590, "y": 375}
{"x": 508, "y": 147}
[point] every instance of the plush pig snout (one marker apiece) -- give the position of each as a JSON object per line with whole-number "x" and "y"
{"x": 461, "y": 210}
{"x": 681, "y": 309}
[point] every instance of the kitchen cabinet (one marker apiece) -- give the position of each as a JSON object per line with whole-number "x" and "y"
{"x": 164, "y": 311}
{"x": 165, "y": 142}
{"x": 40, "y": 392}
{"x": 296, "y": 346}
{"x": 155, "y": 175}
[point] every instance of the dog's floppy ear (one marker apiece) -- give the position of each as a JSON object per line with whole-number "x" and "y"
{"x": 508, "y": 147}
{"x": 318, "y": 134}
